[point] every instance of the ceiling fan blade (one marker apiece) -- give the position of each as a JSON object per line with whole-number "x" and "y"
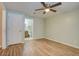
{"x": 57, "y": 4}
{"x": 39, "y": 9}
{"x": 44, "y": 12}
{"x": 53, "y": 10}
{"x": 43, "y": 3}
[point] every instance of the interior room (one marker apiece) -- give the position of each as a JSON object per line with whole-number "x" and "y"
{"x": 39, "y": 29}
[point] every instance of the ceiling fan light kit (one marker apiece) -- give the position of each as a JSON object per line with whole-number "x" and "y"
{"x": 47, "y": 10}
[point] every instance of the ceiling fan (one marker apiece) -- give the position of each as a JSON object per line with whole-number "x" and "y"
{"x": 48, "y": 7}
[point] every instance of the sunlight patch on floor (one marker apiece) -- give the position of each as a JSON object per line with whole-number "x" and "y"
{"x": 28, "y": 38}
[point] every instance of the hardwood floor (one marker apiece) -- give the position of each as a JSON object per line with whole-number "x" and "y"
{"x": 12, "y": 50}
{"x": 44, "y": 47}
{"x": 39, "y": 47}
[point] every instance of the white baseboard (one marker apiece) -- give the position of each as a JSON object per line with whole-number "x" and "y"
{"x": 74, "y": 46}
{"x": 14, "y": 43}
{"x": 52, "y": 39}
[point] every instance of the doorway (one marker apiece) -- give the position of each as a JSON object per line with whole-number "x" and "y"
{"x": 28, "y": 28}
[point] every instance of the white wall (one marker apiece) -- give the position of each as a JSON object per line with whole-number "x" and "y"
{"x": 38, "y": 28}
{"x": 15, "y": 28}
{"x": 64, "y": 28}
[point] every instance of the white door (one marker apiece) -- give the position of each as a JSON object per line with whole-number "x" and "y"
{"x": 15, "y": 28}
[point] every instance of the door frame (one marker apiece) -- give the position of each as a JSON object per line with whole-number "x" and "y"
{"x": 4, "y": 45}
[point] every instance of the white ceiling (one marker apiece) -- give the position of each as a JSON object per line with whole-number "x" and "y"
{"x": 29, "y": 7}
